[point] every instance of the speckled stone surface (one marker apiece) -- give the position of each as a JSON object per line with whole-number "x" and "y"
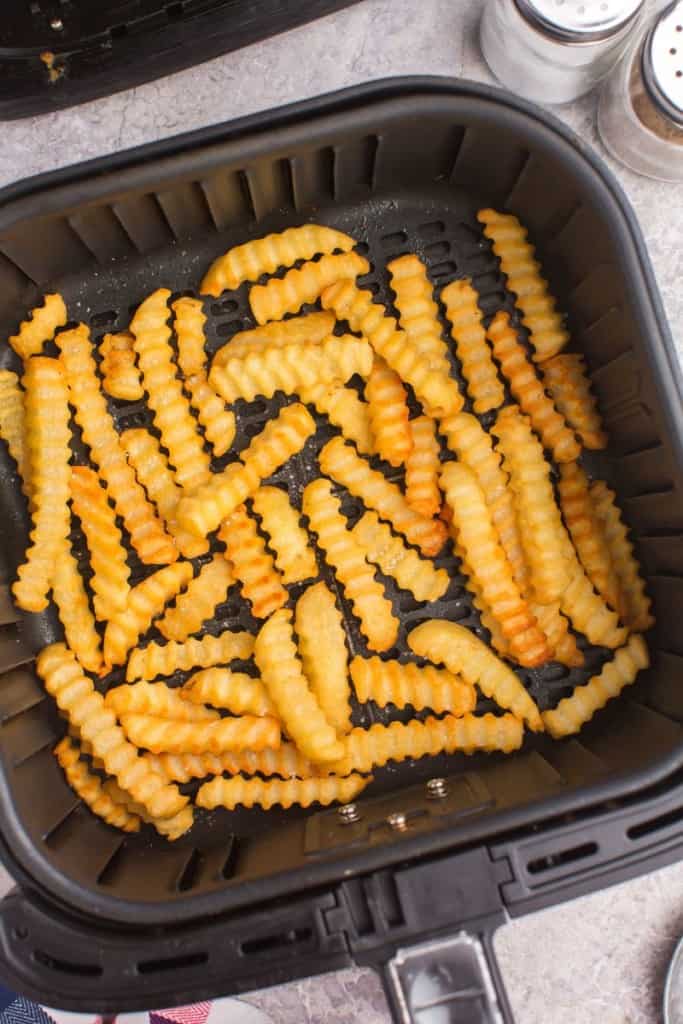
{"x": 598, "y": 959}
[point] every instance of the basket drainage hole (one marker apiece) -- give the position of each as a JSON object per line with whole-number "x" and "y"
{"x": 292, "y": 937}
{"x": 555, "y": 860}
{"x": 395, "y": 238}
{"x": 173, "y": 963}
{"x": 433, "y": 228}
{"x": 109, "y": 316}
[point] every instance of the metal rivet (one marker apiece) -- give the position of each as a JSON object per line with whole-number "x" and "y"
{"x": 57, "y": 24}
{"x": 398, "y": 821}
{"x": 437, "y": 789}
{"x": 348, "y": 813}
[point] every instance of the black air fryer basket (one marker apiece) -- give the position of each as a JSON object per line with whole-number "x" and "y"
{"x": 420, "y": 881}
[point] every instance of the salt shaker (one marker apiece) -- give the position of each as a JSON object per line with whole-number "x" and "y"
{"x": 555, "y": 50}
{"x": 640, "y": 114}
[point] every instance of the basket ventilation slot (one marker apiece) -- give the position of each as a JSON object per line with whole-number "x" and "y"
{"x": 556, "y": 860}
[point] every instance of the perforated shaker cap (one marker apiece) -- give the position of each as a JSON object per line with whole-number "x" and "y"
{"x": 663, "y": 62}
{"x": 579, "y": 21}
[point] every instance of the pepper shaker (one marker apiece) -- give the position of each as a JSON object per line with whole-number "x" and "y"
{"x": 555, "y": 50}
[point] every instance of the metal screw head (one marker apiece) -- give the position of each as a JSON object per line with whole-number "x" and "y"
{"x": 348, "y": 814}
{"x": 398, "y": 821}
{"x": 56, "y": 24}
{"x": 437, "y": 789}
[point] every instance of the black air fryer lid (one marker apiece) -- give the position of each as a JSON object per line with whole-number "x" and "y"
{"x": 55, "y": 53}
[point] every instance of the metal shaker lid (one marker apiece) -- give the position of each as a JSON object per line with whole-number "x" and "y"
{"x": 663, "y": 62}
{"x": 579, "y": 21}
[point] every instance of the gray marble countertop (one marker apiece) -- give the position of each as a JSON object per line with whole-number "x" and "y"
{"x": 598, "y": 959}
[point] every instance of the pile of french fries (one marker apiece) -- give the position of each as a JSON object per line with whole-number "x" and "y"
{"x": 544, "y": 549}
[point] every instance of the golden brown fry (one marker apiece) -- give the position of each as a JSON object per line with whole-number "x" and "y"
{"x": 634, "y": 604}
{"x": 165, "y": 659}
{"x": 292, "y": 368}
{"x": 539, "y": 519}
{"x": 426, "y": 374}
{"x": 342, "y": 551}
{"x": 532, "y": 296}
{"x": 77, "y": 698}
{"x": 490, "y": 567}
{"x": 13, "y": 425}
{"x": 418, "y": 313}
{"x": 285, "y": 435}
{"x": 391, "y": 682}
{"x": 573, "y": 712}
{"x": 159, "y": 735}
{"x": 145, "y": 602}
{"x": 344, "y": 409}
{"x": 548, "y": 423}
{"x": 154, "y": 473}
{"x": 156, "y": 699}
{"x": 422, "y": 468}
{"x": 47, "y": 442}
{"x": 147, "y": 535}
{"x": 288, "y": 294}
{"x": 410, "y": 571}
{"x": 277, "y": 660}
{"x": 107, "y": 554}
{"x": 188, "y": 323}
{"x": 91, "y": 790}
{"x": 388, "y": 407}
{"x": 586, "y": 533}
{"x": 249, "y": 261}
{"x": 238, "y": 792}
{"x": 322, "y": 647}
{"x": 294, "y": 556}
{"x": 172, "y": 416}
{"x": 367, "y": 748}
{"x": 567, "y": 381}
{"x": 44, "y": 321}
{"x": 253, "y": 565}
{"x": 343, "y": 464}
{"x": 310, "y": 329}
{"x": 199, "y": 601}
{"x": 556, "y": 629}
{"x": 234, "y": 691}
{"x": 483, "y": 383}
{"x": 464, "y": 654}
{"x": 120, "y": 375}
{"x": 71, "y": 599}
{"x": 287, "y": 761}
{"x": 499, "y": 641}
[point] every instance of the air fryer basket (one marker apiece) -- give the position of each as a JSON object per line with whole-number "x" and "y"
{"x": 403, "y": 166}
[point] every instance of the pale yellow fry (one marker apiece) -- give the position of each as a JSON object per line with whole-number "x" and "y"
{"x": 219, "y": 423}
{"x": 47, "y": 441}
{"x": 199, "y": 601}
{"x": 283, "y": 436}
{"x": 344, "y": 409}
{"x": 417, "y": 311}
{"x": 84, "y": 708}
{"x": 391, "y": 682}
{"x": 189, "y": 320}
{"x": 452, "y": 645}
{"x": 388, "y": 407}
{"x": 567, "y": 381}
{"x": 159, "y": 735}
{"x": 419, "y": 576}
{"x": 13, "y": 425}
{"x": 302, "y": 718}
{"x": 253, "y": 565}
{"x": 90, "y": 789}
{"x": 573, "y": 712}
{"x": 152, "y": 470}
{"x": 68, "y": 592}
{"x": 156, "y": 699}
{"x": 294, "y": 556}
{"x": 523, "y": 272}
{"x": 107, "y": 554}
{"x": 484, "y": 386}
{"x": 286, "y": 761}
{"x": 235, "y": 692}
{"x": 289, "y": 369}
{"x": 171, "y": 828}
{"x": 120, "y": 375}
{"x": 45, "y": 320}
{"x": 343, "y": 464}
{"x": 422, "y": 468}
{"x": 429, "y": 378}
{"x": 238, "y": 792}
{"x": 288, "y": 294}
{"x": 586, "y": 533}
{"x": 172, "y": 416}
{"x": 342, "y": 551}
{"x": 165, "y": 659}
{"x": 147, "y": 534}
{"x": 322, "y": 646}
{"x": 145, "y": 602}
{"x": 313, "y": 328}
{"x": 247, "y": 262}
{"x": 499, "y": 641}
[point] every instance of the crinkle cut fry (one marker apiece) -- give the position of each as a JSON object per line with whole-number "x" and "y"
{"x": 145, "y": 602}
{"x": 452, "y": 645}
{"x": 418, "y": 312}
{"x": 253, "y": 565}
{"x": 247, "y": 262}
{"x": 120, "y": 375}
{"x": 165, "y": 659}
{"x": 419, "y": 576}
{"x": 403, "y": 684}
{"x": 422, "y": 468}
{"x": 108, "y": 558}
{"x": 33, "y": 333}
{"x": 286, "y": 761}
{"x": 233, "y": 691}
{"x": 156, "y": 699}
{"x": 159, "y": 735}
{"x": 288, "y": 294}
{"x": 573, "y": 712}
{"x": 567, "y": 381}
{"x": 322, "y": 648}
{"x": 294, "y": 557}
{"x": 471, "y": 348}
{"x": 147, "y": 535}
{"x": 389, "y": 414}
{"x": 344, "y": 409}
{"x": 47, "y": 440}
{"x": 198, "y": 602}
{"x": 586, "y": 533}
{"x": 312, "y": 328}
{"x": 69, "y": 594}
{"x": 13, "y": 426}
{"x": 237, "y": 792}
{"x": 90, "y": 789}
